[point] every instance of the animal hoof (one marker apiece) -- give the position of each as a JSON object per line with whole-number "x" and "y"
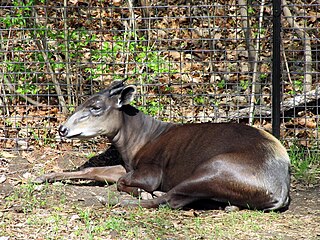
{"x": 129, "y": 203}
{"x": 39, "y": 180}
{"x": 158, "y": 193}
{"x": 44, "y": 178}
{"x": 229, "y": 209}
{"x": 146, "y": 196}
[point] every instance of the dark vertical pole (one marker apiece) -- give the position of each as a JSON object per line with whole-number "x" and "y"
{"x": 276, "y": 68}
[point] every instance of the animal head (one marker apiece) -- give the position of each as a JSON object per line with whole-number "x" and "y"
{"x": 100, "y": 114}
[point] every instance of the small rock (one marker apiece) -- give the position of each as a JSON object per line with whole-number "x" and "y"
{"x": 229, "y": 209}
{"x": 4, "y": 238}
{"x": 39, "y": 188}
{"x": 27, "y": 175}
{"x": 118, "y": 212}
{"x": 57, "y": 183}
{"x": 3, "y": 178}
{"x": 102, "y": 200}
{"x": 23, "y": 145}
{"x": 74, "y": 217}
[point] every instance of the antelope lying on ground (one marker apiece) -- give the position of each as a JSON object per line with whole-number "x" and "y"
{"x": 230, "y": 163}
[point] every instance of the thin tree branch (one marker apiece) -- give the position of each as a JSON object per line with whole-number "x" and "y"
{"x": 2, "y": 87}
{"x": 132, "y": 20}
{"x": 304, "y": 36}
{"x": 247, "y": 31}
{"x": 255, "y": 88}
{"x": 286, "y": 64}
{"x": 65, "y": 4}
{"x": 8, "y": 82}
{"x": 62, "y": 102}
{"x": 29, "y": 100}
{"x": 41, "y": 46}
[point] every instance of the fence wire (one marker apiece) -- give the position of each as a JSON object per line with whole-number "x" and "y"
{"x": 193, "y": 61}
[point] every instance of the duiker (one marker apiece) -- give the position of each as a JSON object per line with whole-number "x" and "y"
{"x": 231, "y": 163}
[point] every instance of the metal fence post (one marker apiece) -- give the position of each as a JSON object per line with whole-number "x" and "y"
{"x": 276, "y": 68}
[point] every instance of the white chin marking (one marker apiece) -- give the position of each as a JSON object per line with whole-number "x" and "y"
{"x": 82, "y": 134}
{"x": 74, "y": 135}
{"x": 87, "y": 135}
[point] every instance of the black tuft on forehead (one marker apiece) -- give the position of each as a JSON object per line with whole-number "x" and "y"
{"x": 114, "y": 88}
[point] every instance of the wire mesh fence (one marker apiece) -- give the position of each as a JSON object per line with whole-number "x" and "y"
{"x": 193, "y": 61}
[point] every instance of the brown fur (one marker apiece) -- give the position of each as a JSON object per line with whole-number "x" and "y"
{"x": 231, "y": 163}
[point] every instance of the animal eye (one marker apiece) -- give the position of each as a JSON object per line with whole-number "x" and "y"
{"x": 95, "y": 108}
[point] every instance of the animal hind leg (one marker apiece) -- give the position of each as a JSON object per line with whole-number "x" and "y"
{"x": 178, "y": 197}
{"x": 175, "y": 198}
{"x": 223, "y": 187}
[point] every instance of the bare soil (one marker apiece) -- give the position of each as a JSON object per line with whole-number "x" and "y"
{"x": 18, "y": 168}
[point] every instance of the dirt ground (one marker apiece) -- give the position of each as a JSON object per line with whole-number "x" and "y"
{"x": 18, "y": 168}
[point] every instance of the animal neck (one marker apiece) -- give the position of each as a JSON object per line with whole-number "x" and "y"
{"x": 137, "y": 130}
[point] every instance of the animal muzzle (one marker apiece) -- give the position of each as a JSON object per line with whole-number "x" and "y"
{"x": 63, "y": 131}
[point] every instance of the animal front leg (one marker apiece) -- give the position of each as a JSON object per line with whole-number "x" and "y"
{"x": 109, "y": 174}
{"x": 141, "y": 182}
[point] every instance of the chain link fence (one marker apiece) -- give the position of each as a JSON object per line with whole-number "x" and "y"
{"x": 193, "y": 61}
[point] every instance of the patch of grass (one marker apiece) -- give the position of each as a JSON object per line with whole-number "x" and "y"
{"x": 75, "y": 222}
{"x": 50, "y": 212}
{"x": 28, "y": 196}
{"x": 24, "y": 196}
{"x": 90, "y": 155}
{"x": 305, "y": 164}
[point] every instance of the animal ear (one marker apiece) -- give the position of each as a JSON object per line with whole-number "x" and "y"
{"x": 126, "y": 96}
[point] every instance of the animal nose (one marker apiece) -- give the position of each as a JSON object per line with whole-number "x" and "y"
{"x": 63, "y": 131}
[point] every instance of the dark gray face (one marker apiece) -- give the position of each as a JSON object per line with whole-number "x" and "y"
{"x": 99, "y": 115}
